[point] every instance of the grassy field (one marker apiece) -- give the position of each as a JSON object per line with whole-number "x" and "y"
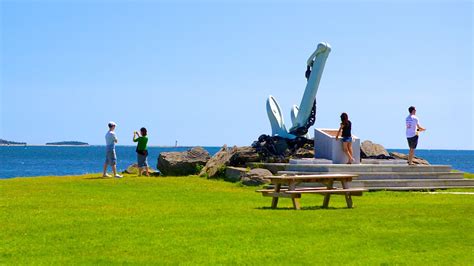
{"x": 468, "y": 175}
{"x": 191, "y": 220}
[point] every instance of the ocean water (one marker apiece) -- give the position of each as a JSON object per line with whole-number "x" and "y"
{"x": 51, "y": 160}
{"x": 71, "y": 160}
{"x": 462, "y": 160}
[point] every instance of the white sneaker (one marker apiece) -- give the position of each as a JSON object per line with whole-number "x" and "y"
{"x": 118, "y": 176}
{"x": 106, "y": 175}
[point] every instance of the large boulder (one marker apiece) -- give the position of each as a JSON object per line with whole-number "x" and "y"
{"x": 368, "y": 149}
{"x": 255, "y": 177}
{"x": 416, "y": 160}
{"x": 243, "y": 155}
{"x": 234, "y": 174}
{"x": 182, "y": 163}
{"x": 215, "y": 167}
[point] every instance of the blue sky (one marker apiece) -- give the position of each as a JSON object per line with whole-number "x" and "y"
{"x": 200, "y": 72}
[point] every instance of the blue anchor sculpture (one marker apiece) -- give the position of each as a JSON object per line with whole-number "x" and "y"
{"x": 302, "y": 116}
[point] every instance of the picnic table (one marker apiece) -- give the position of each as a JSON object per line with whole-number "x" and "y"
{"x": 286, "y": 186}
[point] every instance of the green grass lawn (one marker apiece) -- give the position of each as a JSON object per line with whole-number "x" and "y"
{"x": 468, "y": 175}
{"x": 191, "y": 220}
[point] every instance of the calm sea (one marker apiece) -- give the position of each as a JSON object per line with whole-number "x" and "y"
{"x": 67, "y": 160}
{"x": 50, "y": 160}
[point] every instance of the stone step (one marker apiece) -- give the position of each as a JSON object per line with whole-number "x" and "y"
{"x": 310, "y": 161}
{"x": 379, "y": 161}
{"x": 363, "y": 161}
{"x": 350, "y": 168}
{"x": 423, "y": 183}
{"x": 416, "y": 188}
{"x": 389, "y": 175}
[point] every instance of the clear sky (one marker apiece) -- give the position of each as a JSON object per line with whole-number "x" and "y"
{"x": 200, "y": 72}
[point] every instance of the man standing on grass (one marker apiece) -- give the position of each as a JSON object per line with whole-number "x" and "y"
{"x": 413, "y": 127}
{"x": 110, "y": 156}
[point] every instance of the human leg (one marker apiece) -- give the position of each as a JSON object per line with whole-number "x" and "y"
{"x": 104, "y": 173}
{"x": 412, "y": 143}
{"x": 146, "y": 171}
{"x": 411, "y": 154}
{"x": 142, "y": 163}
{"x": 114, "y": 168}
{"x": 349, "y": 147}
{"x": 346, "y": 151}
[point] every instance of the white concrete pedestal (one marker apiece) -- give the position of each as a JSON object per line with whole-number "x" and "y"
{"x": 327, "y": 147}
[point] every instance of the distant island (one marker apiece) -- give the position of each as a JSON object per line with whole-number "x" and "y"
{"x": 7, "y": 142}
{"x": 75, "y": 143}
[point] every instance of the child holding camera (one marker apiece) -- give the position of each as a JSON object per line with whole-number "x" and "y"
{"x": 142, "y": 152}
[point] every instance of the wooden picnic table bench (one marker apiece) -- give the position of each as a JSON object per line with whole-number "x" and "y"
{"x": 292, "y": 191}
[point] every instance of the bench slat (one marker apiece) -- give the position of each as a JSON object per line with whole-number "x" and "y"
{"x": 281, "y": 195}
{"x": 296, "y": 189}
{"x": 352, "y": 191}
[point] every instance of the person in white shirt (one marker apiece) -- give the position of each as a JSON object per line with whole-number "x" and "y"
{"x": 412, "y": 129}
{"x": 110, "y": 156}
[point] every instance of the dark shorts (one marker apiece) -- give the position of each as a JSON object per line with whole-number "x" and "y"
{"x": 412, "y": 142}
{"x": 141, "y": 160}
{"x": 346, "y": 139}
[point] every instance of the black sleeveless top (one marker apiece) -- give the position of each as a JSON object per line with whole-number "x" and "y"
{"x": 346, "y": 130}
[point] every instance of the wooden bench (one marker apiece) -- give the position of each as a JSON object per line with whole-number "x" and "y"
{"x": 339, "y": 191}
{"x": 292, "y": 191}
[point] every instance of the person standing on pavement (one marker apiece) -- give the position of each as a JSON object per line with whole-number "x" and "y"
{"x": 412, "y": 129}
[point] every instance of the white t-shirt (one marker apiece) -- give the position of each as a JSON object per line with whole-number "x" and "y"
{"x": 412, "y": 123}
{"x": 110, "y": 139}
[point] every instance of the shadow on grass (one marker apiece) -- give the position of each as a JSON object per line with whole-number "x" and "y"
{"x": 98, "y": 177}
{"x": 307, "y": 208}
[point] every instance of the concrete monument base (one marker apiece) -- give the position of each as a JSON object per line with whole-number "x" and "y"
{"x": 327, "y": 147}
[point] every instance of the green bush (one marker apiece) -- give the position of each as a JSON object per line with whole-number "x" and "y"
{"x": 198, "y": 169}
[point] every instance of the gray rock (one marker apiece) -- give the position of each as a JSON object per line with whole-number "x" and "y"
{"x": 416, "y": 160}
{"x": 182, "y": 163}
{"x": 255, "y": 177}
{"x": 234, "y": 174}
{"x": 243, "y": 155}
{"x": 215, "y": 167}
{"x": 369, "y": 149}
{"x": 304, "y": 152}
{"x": 133, "y": 169}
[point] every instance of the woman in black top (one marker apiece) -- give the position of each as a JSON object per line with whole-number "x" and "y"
{"x": 346, "y": 127}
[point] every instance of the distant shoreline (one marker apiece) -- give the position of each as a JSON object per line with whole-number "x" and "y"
{"x": 158, "y": 146}
{"x": 88, "y": 145}
{"x": 45, "y": 145}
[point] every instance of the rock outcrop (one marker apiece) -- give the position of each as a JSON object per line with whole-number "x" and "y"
{"x": 368, "y": 149}
{"x": 255, "y": 177}
{"x": 182, "y": 163}
{"x": 243, "y": 155}
{"x": 275, "y": 149}
{"x": 215, "y": 167}
{"x": 234, "y": 174}
{"x": 304, "y": 152}
{"x": 416, "y": 160}
{"x": 133, "y": 169}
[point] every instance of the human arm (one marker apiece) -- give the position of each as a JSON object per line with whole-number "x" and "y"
{"x": 420, "y": 127}
{"x": 135, "y": 136}
{"x": 339, "y": 131}
{"x": 114, "y": 137}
